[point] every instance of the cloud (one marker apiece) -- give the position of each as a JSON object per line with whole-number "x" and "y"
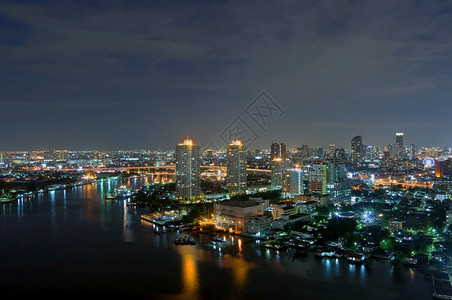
{"x": 322, "y": 60}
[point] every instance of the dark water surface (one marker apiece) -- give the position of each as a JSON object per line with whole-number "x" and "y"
{"x": 74, "y": 242}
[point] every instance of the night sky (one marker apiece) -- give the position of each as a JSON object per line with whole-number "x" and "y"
{"x": 129, "y": 74}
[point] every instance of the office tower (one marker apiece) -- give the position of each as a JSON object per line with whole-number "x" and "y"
{"x": 412, "y": 151}
{"x": 278, "y": 151}
{"x": 443, "y": 168}
{"x": 279, "y": 165}
{"x": 399, "y": 138}
{"x": 2, "y": 158}
{"x": 328, "y": 176}
{"x": 236, "y": 168}
{"x": 357, "y": 149}
{"x": 298, "y": 158}
{"x": 399, "y": 149}
{"x": 320, "y": 152}
{"x": 318, "y": 176}
{"x": 188, "y": 171}
{"x": 339, "y": 153}
{"x": 305, "y": 152}
{"x": 331, "y": 150}
{"x": 292, "y": 181}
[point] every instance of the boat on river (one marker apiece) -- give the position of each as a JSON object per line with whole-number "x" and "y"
{"x": 123, "y": 192}
{"x": 110, "y": 195}
{"x": 4, "y": 200}
{"x": 186, "y": 240}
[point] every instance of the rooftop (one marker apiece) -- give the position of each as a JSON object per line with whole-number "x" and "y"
{"x": 238, "y": 203}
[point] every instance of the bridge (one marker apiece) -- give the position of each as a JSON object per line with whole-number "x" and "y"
{"x": 160, "y": 170}
{"x": 404, "y": 184}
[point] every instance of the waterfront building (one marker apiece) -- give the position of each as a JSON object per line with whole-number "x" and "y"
{"x": 236, "y": 168}
{"x": 188, "y": 171}
{"x": 232, "y": 215}
{"x": 289, "y": 219}
{"x": 259, "y": 223}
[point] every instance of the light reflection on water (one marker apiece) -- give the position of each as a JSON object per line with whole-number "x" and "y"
{"x": 240, "y": 267}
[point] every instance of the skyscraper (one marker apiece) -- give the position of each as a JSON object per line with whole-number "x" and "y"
{"x": 413, "y": 151}
{"x": 305, "y": 152}
{"x": 328, "y": 176}
{"x": 331, "y": 150}
{"x": 399, "y": 138}
{"x": 318, "y": 176}
{"x": 279, "y": 165}
{"x": 188, "y": 171}
{"x": 236, "y": 168}
{"x": 399, "y": 150}
{"x": 357, "y": 149}
{"x": 292, "y": 181}
{"x": 278, "y": 151}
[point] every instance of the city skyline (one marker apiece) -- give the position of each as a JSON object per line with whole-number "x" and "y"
{"x": 143, "y": 74}
{"x": 348, "y": 145}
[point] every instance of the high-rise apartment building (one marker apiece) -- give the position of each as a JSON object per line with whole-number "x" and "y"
{"x": 188, "y": 171}
{"x": 278, "y": 151}
{"x": 399, "y": 149}
{"x": 305, "y": 152}
{"x": 292, "y": 181}
{"x": 357, "y": 150}
{"x": 236, "y": 168}
{"x": 328, "y": 176}
{"x": 279, "y": 165}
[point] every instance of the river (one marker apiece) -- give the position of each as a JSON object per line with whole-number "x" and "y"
{"x": 76, "y": 242}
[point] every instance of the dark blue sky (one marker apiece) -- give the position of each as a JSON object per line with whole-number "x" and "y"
{"x": 144, "y": 74}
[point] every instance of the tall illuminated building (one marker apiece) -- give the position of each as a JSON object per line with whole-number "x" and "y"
{"x": 357, "y": 149}
{"x": 328, "y": 176}
{"x": 412, "y": 152}
{"x": 292, "y": 181}
{"x": 331, "y": 150}
{"x": 278, "y": 151}
{"x": 305, "y": 152}
{"x": 443, "y": 168}
{"x": 236, "y": 168}
{"x": 188, "y": 171}
{"x": 399, "y": 150}
{"x": 278, "y": 165}
{"x": 318, "y": 176}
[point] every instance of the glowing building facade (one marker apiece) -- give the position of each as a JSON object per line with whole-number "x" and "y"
{"x": 188, "y": 171}
{"x": 236, "y": 168}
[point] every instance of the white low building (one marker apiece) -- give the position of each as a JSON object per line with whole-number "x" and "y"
{"x": 234, "y": 215}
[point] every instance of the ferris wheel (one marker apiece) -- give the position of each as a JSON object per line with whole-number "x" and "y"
{"x": 428, "y": 162}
